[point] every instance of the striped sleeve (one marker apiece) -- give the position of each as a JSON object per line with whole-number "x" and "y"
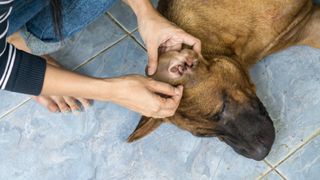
{"x": 19, "y": 71}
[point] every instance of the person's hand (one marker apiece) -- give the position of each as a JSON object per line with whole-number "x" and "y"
{"x": 142, "y": 95}
{"x": 160, "y": 35}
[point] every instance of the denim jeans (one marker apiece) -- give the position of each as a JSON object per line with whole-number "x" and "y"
{"x": 35, "y": 16}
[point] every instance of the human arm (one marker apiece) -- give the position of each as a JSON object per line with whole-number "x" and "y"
{"x": 133, "y": 92}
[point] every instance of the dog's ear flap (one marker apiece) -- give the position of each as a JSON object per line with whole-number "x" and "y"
{"x": 145, "y": 127}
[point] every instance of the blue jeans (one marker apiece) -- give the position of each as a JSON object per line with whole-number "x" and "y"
{"x": 35, "y": 16}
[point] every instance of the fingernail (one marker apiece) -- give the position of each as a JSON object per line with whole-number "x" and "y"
{"x": 180, "y": 89}
{"x": 66, "y": 111}
{"x": 177, "y": 91}
{"x": 77, "y": 112}
{"x": 86, "y": 106}
{"x": 150, "y": 71}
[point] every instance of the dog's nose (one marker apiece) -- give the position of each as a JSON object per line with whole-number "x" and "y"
{"x": 259, "y": 153}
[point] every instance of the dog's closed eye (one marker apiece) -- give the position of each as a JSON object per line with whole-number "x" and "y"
{"x": 217, "y": 116}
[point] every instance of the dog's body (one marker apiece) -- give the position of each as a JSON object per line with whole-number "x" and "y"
{"x": 246, "y": 30}
{"x": 219, "y": 98}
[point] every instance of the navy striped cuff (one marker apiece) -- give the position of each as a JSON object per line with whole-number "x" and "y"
{"x": 27, "y": 75}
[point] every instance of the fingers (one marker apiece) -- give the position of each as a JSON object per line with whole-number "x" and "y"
{"x": 152, "y": 58}
{"x": 63, "y": 106}
{"x": 192, "y": 41}
{"x": 163, "y": 88}
{"x": 176, "y": 42}
{"x": 171, "y": 104}
{"x": 168, "y": 106}
{"x": 68, "y": 104}
{"x": 85, "y": 102}
{"x": 72, "y": 103}
{"x": 48, "y": 103}
{"x": 174, "y": 47}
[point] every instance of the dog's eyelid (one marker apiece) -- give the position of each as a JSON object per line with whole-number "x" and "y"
{"x": 223, "y": 108}
{"x": 217, "y": 116}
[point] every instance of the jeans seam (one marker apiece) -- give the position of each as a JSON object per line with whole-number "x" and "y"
{"x": 87, "y": 21}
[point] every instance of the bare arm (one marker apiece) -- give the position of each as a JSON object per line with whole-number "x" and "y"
{"x": 61, "y": 82}
{"x": 133, "y": 92}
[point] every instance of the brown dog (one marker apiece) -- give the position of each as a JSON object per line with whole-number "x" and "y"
{"x": 219, "y": 98}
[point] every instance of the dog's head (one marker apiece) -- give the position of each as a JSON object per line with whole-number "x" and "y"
{"x": 218, "y": 101}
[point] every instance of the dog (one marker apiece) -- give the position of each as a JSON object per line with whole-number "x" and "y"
{"x": 219, "y": 98}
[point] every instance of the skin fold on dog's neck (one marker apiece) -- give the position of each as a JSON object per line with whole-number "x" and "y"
{"x": 304, "y": 30}
{"x": 310, "y": 34}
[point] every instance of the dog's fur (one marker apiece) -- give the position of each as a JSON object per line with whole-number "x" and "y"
{"x": 219, "y": 98}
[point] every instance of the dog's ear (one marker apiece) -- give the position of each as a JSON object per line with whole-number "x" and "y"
{"x": 145, "y": 127}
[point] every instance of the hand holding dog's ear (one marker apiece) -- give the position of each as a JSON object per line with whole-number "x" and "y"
{"x": 160, "y": 35}
{"x": 143, "y": 95}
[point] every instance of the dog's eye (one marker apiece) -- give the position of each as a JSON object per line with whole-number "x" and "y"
{"x": 217, "y": 116}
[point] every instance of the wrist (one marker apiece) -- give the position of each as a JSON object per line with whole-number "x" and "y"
{"x": 106, "y": 89}
{"x": 142, "y": 8}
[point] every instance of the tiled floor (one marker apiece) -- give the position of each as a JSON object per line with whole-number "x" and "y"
{"x": 35, "y": 144}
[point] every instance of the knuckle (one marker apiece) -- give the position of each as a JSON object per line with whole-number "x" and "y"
{"x": 52, "y": 107}
{"x": 70, "y": 100}
{"x": 152, "y": 82}
{"x": 74, "y": 106}
{"x": 156, "y": 108}
{"x": 64, "y": 106}
{"x": 61, "y": 104}
{"x": 171, "y": 113}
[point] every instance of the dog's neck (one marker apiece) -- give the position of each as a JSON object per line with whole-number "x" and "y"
{"x": 304, "y": 30}
{"x": 310, "y": 35}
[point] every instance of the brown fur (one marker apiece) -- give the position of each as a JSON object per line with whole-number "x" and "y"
{"x": 219, "y": 98}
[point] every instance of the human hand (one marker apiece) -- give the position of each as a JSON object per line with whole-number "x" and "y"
{"x": 160, "y": 35}
{"x": 142, "y": 95}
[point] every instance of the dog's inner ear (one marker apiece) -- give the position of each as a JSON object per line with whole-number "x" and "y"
{"x": 145, "y": 127}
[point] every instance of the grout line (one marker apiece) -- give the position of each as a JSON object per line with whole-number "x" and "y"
{"x": 264, "y": 174}
{"x": 135, "y": 29}
{"x": 118, "y": 23}
{"x": 14, "y": 108}
{"x": 280, "y": 174}
{"x": 268, "y": 163}
{"x": 267, "y": 171}
{"x": 274, "y": 168}
{"x": 135, "y": 39}
{"x": 124, "y": 28}
{"x": 99, "y": 53}
{"x": 309, "y": 139}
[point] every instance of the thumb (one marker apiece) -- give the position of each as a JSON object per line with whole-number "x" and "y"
{"x": 152, "y": 59}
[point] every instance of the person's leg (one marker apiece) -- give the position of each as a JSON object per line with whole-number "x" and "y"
{"x": 23, "y": 11}
{"x": 76, "y": 15}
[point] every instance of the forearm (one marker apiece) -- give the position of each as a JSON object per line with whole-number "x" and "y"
{"x": 141, "y": 7}
{"x": 61, "y": 82}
